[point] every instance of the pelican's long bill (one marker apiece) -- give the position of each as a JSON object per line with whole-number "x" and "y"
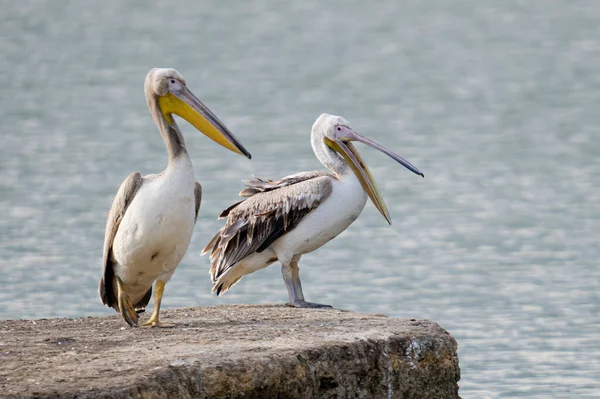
{"x": 342, "y": 144}
{"x": 185, "y": 104}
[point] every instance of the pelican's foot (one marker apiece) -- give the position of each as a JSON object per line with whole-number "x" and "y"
{"x": 303, "y": 304}
{"x": 154, "y": 322}
{"x": 158, "y": 324}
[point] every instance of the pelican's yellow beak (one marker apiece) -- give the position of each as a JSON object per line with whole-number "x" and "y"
{"x": 342, "y": 145}
{"x": 186, "y": 105}
{"x": 362, "y": 172}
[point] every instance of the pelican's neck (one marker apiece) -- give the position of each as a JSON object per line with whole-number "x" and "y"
{"x": 329, "y": 158}
{"x": 170, "y": 132}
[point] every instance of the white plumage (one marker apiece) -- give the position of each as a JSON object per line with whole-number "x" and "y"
{"x": 156, "y": 230}
{"x": 152, "y": 218}
{"x": 283, "y": 220}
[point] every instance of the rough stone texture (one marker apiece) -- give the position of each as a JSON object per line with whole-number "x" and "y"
{"x": 243, "y": 351}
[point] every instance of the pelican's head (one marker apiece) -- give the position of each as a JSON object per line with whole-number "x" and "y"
{"x": 173, "y": 97}
{"x": 333, "y": 135}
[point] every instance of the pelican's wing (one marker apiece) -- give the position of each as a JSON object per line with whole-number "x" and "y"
{"x": 125, "y": 195}
{"x": 256, "y": 222}
{"x": 198, "y": 197}
{"x": 258, "y": 185}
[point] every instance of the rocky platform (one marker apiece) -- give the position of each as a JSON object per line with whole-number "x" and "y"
{"x": 245, "y": 351}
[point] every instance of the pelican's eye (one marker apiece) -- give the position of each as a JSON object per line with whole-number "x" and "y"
{"x": 175, "y": 85}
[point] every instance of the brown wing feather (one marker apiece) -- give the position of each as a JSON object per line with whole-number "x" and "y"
{"x": 198, "y": 197}
{"x": 274, "y": 209}
{"x": 125, "y": 195}
{"x": 258, "y": 185}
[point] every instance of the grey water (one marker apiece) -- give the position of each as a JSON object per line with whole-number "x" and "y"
{"x": 497, "y": 102}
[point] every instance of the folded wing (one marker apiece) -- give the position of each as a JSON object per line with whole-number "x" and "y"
{"x": 271, "y": 209}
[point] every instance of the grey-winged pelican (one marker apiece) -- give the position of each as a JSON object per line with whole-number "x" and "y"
{"x": 282, "y": 220}
{"x": 151, "y": 220}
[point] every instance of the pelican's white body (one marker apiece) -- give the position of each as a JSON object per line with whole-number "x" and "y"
{"x": 156, "y": 230}
{"x": 329, "y": 219}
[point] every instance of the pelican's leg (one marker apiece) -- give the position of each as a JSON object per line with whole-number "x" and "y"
{"x": 159, "y": 289}
{"x": 291, "y": 276}
{"x": 125, "y": 307}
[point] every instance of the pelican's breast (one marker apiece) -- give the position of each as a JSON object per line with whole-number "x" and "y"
{"x": 155, "y": 232}
{"x": 329, "y": 219}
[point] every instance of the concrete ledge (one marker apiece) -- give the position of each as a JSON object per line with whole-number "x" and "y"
{"x": 244, "y": 351}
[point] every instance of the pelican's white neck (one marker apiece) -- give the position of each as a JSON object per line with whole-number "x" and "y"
{"x": 170, "y": 132}
{"x": 328, "y": 157}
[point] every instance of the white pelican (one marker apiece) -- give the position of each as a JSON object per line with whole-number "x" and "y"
{"x": 151, "y": 220}
{"x": 282, "y": 220}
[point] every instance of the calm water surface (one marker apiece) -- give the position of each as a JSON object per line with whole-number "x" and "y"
{"x": 497, "y": 102}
